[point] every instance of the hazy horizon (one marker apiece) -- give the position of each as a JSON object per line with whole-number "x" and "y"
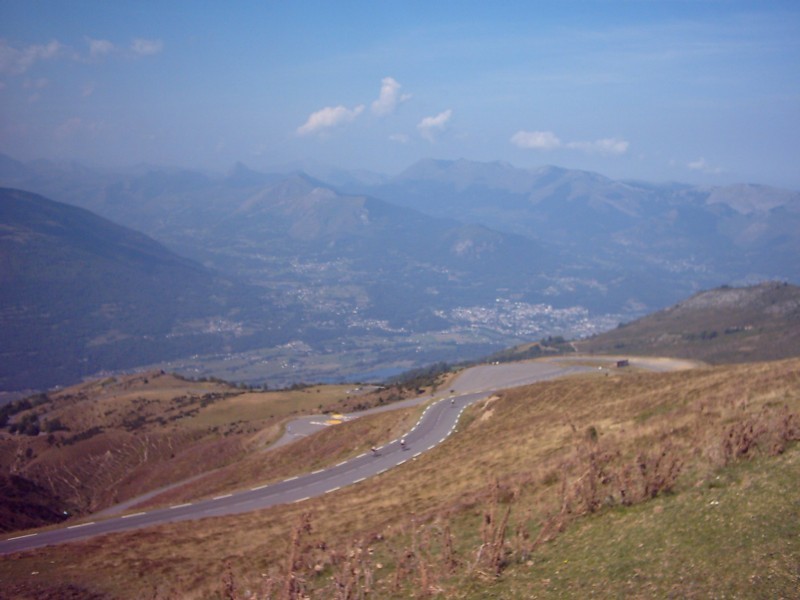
{"x": 701, "y": 92}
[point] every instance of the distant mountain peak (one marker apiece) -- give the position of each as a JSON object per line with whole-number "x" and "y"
{"x": 242, "y": 175}
{"x": 11, "y": 169}
{"x": 748, "y": 198}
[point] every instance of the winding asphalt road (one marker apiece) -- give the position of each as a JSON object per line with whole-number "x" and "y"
{"x": 434, "y": 426}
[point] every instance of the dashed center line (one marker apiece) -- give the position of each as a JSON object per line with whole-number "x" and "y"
{"x": 81, "y": 525}
{"x": 139, "y": 514}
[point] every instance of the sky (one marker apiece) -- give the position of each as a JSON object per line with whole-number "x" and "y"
{"x": 692, "y": 90}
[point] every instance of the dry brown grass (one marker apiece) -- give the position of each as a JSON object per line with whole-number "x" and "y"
{"x": 329, "y": 446}
{"x": 129, "y": 435}
{"x": 522, "y": 470}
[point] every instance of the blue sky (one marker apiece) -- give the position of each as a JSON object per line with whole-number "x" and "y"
{"x": 695, "y": 91}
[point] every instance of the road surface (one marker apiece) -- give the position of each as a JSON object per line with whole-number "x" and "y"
{"x": 434, "y": 426}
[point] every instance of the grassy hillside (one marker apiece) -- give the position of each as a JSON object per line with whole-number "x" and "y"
{"x": 89, "y": 446}
{"x": 723, "y": 325}
{"x": 617, "y": 485}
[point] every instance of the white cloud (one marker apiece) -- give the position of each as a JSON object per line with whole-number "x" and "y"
{"x": 389, "y": 97}
{"x": 98, "y": 48}
{"x": 329, "y": 117}
{"x": 15, "y": 61}
{"x": 701, "y": 164}
{"x": 400, "y": 138}
{"x": 547, "y": 140}
{"x": 18, "y": 60}
{"x": 144, "y": 47}
{"x": 604, "y": 146}
{"x": 541, "y": 140}
{"x": 429, "y": 126}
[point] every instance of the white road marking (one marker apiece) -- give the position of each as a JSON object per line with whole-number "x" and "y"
{"x": 359, "y": 480}
{"x": 416, "y": 455}
{"x": 180, "y": 505}
{"x": 223, "y": 496}
{"x": 81, "y": 525}
{"x": 338, "y": 487}
{"x": 139, "y": 514}
{"x": 301, "y": 500}
{"x": 22, "y": 537}
{"x": 317, "y": 471}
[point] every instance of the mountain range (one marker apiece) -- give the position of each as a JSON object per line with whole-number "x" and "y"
{"x": 80, "y": 293}
{"x": 479, "y": 255}
{"x": 683, "y": 238}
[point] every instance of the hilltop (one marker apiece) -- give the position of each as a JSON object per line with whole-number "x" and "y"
{"x": 727, "y": 324}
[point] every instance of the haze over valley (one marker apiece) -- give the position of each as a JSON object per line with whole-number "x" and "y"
{"x": 291, "y": 279}
{"x": 349, "y": 194}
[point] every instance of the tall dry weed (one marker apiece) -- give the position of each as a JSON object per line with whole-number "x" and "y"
{"x": 353, "y": 575}
{"x": 766, "y": 432}
{"x": 294, "y": 583}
